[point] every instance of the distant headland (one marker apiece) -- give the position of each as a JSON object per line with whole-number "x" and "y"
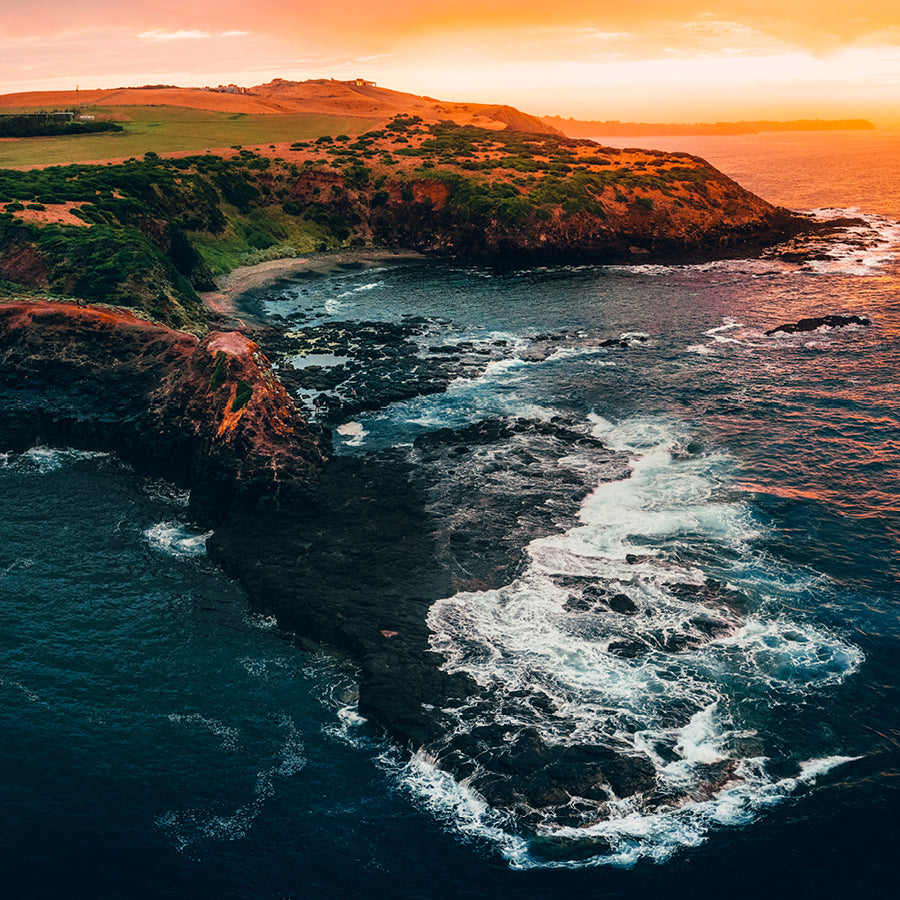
{"x": 615, "y": 128}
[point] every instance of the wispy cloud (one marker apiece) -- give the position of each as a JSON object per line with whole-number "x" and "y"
{"x": 184, "y": 35}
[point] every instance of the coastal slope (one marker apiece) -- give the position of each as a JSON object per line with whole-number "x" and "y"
{"x": 151, "y": 233}
{"x": 205, "y": 414}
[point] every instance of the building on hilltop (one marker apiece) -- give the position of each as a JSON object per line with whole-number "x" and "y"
{"x": 356, "y": 82}
{"x": 228, "y": 89}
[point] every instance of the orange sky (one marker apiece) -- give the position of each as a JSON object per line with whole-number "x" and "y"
{"x": 649, "y": 60}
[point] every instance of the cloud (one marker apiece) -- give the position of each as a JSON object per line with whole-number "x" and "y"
{"x": 183, "y": 35}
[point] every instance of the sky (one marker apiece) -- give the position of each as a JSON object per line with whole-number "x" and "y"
{"x": 632, "y": 60}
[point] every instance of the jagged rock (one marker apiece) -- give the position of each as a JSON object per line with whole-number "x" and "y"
{"x": 815, "y": 322}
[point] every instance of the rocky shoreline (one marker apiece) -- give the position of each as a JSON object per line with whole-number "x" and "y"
{"x": 351, "y": 552}
{"x": 348, "y": 551}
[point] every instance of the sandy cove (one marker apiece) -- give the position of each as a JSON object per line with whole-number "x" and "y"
{"x": 224, "y": 302}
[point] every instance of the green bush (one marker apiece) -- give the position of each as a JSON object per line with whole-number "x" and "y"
{"x": 217, "y": 379}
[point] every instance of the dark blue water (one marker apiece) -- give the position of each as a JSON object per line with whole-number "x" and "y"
{"x": 158, "y": 739}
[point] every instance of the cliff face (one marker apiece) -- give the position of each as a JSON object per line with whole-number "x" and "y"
{"x": 206, "y": 414}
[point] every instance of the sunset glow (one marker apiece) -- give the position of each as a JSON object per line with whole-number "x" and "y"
{"x": 650, "y": 60}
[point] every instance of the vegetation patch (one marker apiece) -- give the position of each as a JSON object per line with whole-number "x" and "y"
{"x": 242, "y": 395}
{"x": 217, "y": 379}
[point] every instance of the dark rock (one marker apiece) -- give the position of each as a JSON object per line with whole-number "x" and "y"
{"x": 634, "y": 559}
{"x": 621, "y": 603}
{"x": 812, "y": 324}
{"x": 628, "y": 649}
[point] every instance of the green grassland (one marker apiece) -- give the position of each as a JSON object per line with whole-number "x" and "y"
{"x": 169, "y": 129}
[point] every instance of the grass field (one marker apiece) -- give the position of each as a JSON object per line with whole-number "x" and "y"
{"x": 169, "y": 129}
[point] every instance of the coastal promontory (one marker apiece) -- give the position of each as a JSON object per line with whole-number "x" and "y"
{"x": 151, "y": 232}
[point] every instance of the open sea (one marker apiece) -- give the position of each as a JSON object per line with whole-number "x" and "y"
{"x": 158, "y": 739}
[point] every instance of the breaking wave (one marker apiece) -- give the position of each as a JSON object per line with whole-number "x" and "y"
{"x": 653, "y": 627}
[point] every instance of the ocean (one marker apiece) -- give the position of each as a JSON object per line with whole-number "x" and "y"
{"x": 160, "y": 739}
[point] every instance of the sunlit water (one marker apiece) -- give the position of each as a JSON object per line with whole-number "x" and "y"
{"x": 160, "y": 739}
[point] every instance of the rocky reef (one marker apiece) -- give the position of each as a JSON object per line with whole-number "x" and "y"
{"x": 352, "y": 552}
{"x": 813, "y": 323}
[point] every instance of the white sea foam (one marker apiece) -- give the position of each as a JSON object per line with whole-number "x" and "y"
{"x": 176, "y": 539}
{"x": 454, "y": 804}
{"x": 27, "y": 692}
{"x": 678, "y": 677}
{"x": 46, "y": 459}
{"x": 630, "y": 834}
{"x": 499, "y": 391}
{"x": 261, "y": 622}
{"x": 259, "y": 667}
{"x": 859, "y": 249}
{"x": 353, "y": 433}
{"x": 229, "y": 736}
{"x": 350, "y": 728}
{"x": 361, "y": 288}
{"x": 186, "y": 828}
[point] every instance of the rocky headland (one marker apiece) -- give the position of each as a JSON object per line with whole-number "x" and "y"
{"x": 349, "y": 551}
{"x": 151, "y": 233}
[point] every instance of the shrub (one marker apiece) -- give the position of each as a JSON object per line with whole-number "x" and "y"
{"x": 217, "y": 379}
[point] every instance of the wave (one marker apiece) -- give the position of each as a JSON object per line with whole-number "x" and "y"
{"x": 46, "y": 459}
{"x": 863, "y": 246}
{"x": 653, "y": 627}
{"x": 186, "y": 828}
{"x": 176, "y": 539}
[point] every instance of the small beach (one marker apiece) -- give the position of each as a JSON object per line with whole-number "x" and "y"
{"x": 223, "y": 301}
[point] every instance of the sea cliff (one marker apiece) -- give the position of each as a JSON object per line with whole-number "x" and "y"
{"x": 206, "y": 414}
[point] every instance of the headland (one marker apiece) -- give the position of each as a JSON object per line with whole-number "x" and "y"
{"x": 342, "y": 551}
